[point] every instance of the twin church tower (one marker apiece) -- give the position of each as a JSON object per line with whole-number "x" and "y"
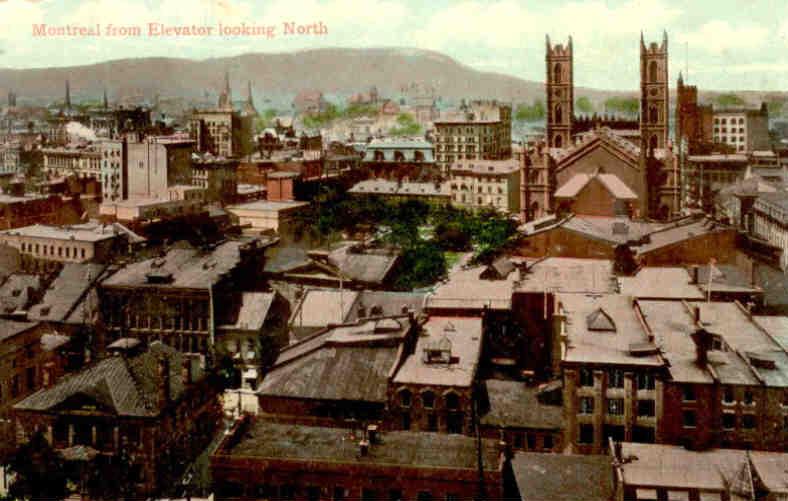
{"x": 653, "y": 121}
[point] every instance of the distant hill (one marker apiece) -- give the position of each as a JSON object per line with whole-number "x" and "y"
{"x": 277, "y": 77}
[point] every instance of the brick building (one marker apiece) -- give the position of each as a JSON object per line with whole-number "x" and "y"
{"x": 257, "y": 460}
{"x": 31, "y": 358}
{"x": 139, "y": 415}
{"x": 411, "y": 159}
{"x": 479, "y": 184}
{"x": 181, "y": 297}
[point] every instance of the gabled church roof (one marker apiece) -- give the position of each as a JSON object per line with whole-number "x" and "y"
{"x": 603, "y": 136}
{"x": 611, "y": 182}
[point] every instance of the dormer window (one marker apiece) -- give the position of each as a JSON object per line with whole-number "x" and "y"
{"x": 600, "y": 321}
{"x": 438, "y": 352}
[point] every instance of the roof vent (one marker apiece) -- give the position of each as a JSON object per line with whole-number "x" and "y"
{"x": 761, "y": 361}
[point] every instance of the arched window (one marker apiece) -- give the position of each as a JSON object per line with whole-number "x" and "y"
{"x": 452, "y": 401}
{"x": 653, "y": 114}
{"x": 533, "y": 176}
{"x": 652, "y": 144}
{"x": 557, "y": 73}
{"x": 559, "y": 141}
{"x": 652, "y": 71}
{"x": 405, "y": 398}
{"x": 379, "y": 156}
{"x": 399, "y": 156}
{"x": 418, "y": 156}
{"x": 559, "y": 114}
{"x": 428, "y": 399}
{"x": 534, "y": 209}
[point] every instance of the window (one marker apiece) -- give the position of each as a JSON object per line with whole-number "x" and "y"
{"x": 690, "y": 421}
{"x": 518, "y": 440}
{"x": 727, "y": 395}
{"x": 428, "y": 399}
{"x": 395, "y": 495}
{"x": 615, "y": 406}
{"x": 749, "y": 421}
{"x": 452, "y": 401}
{"x": 405, "y": 398}
{"x": 454, "y": 422}
{"x": 615, "y": 378}
{"x": 586, "y": 435}
{"x": 548, "y": 442}
{"x": 646, "y": 408}
{"x": 586, "y": 378}
{"x": 688, "y": 394}
{"x": 557, "y": 73}
{"x": 586, "y": 405}
{"x": 432, "y": 422}
{"x": 748, "y": 398}
{"x": 645, "y": 381}
{"x": 728, "y": 421}
{"x": 652, "y": 71}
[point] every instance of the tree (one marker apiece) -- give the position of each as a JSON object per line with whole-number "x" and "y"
{"x": 422, "y": 264}
{"x": 406, "y": 126}
{"x": 584, "y": 104}
{"x": 729, "y": 99}
{"x": 625, "y": 105}
{"x": 530, "y": 113}
{"x": 39, "y": 471}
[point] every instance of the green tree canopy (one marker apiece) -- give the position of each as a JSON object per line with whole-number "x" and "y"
{"x": 530, "y": 113}
{"x": 624, "y": 105}
{"x": 584, "y": 105}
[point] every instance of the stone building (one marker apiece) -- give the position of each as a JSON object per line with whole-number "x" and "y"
{"x": 409, "y": 159}
{"x": 479, "y": 184}
{"x": 637, "y": 153}
{"x": 82, "y": 161}
{"x": 483, "y": 131}
{"x": 139, "y": 415}
{"x": 743, "y": 129}
{"x": 770, "y": 222}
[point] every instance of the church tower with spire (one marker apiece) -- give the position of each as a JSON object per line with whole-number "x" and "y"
{"x": 226, "y": 98}
{"x": 653, "y": 95}
{"x": 67, "y": 102}
{"x": 249, "y": 108}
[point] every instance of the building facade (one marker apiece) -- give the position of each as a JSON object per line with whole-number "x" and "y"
{"x": 744, "y": 130}
{"x": 479, "y": 184}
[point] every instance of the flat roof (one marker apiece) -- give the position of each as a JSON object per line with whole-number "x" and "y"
{"x": 565, "y": 274}
{"x": 660, "y": 283}
{"x": 405, "y": 449}
{"x": 602, "y": 328}
{"x": 464, "y": 336}
{"x": 267, "y": 206}
{"x": 465, "y": 290}
{"x": 76, "y": 233}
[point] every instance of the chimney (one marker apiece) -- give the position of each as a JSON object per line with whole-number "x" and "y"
{"x": 695, "y": 274}
{"x": 163, "y": 382}
{"x": 703, "y": 339}
{"x": 696, "y": 314}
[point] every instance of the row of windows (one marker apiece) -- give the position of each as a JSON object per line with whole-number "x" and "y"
{"x": 641, "y": 434}
{"x": 615, "y": 379}
{"x": 615, "y": 407}
{"x": 49, "y": 250}
{"x": 479, "y": 200}
{"x": 336, "y": 493}
{"x": 724, "y": 121}
{"x": 428, "y": 399}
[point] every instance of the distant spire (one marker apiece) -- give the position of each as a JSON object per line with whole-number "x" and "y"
{"x": 106, "y": 102}
{"x": 681, "y": 78}
{"x": 249, "y": 93}
{"x": 68, "y": 95}
{"x": 227, "y": 85}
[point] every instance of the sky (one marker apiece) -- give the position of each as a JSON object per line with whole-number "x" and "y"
{"x": 724, "y": 44}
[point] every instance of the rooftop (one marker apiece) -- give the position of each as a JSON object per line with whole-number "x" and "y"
{"x": 345, "y": 362}
{"x": 267, "y": 206}
{"x": 464, "y": 289}
{"x": 253, "y": 311}
{"x": 460, "y": 337}
{"x": 513, "y": 404}
{"x": 603, "y": 329}
{"x": 181, "y": 267}
{"x": 487, "y": 167}
{"x": 560, "y": 477}
{"x": 680, "y": 231}
{"x": 564, "y": 274}
{"x": 79, "y": 233}
{"x": 65, "y": 295}
{"x": 385, "y": 187}
{"x": 611, "y": 182}
{"x": 408, "y": 449}
{"x": 660, "y": 283}
{"x": 126, "y": 386}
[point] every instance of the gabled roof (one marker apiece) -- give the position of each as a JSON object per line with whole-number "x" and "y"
{"x": 120, "y": 385}
{"x": 604, "y": 138}
{"x": 611, "y": 182}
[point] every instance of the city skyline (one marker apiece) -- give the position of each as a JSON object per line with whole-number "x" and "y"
{"x": 720, "y": 50}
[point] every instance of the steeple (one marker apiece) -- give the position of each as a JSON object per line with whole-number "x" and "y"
{"x": 249, "y": 93}
{"x": 106, "y": 103}
{"x": 225, "y": 97}
{"x": 227, "y": 86}
{"x": 67, "y": 104}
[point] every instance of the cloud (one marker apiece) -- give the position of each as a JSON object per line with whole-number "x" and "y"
{"x": 720, "y": 36}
